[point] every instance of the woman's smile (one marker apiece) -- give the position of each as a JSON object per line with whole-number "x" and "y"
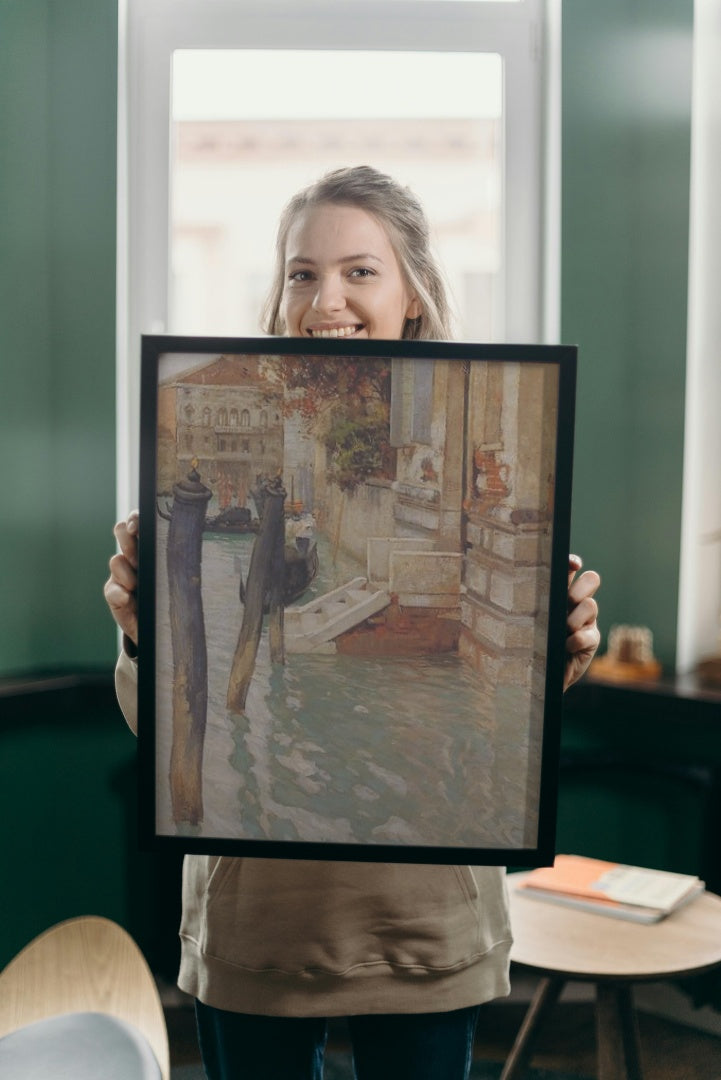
{"x": 334, "y": 331}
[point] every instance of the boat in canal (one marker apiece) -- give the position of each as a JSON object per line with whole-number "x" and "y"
{"x": 233, "y": 519}
{"x": 300, "y": 569}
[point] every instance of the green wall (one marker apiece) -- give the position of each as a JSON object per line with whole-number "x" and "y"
{"x": 625, "y": 200}
{"x": 58, "y": 74}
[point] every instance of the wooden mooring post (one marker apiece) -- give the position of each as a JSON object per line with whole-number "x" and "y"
{"x": 190, "y": 657}
{"x": 265, "y": 581}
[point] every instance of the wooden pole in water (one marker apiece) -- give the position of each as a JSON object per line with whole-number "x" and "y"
{"x": 275, "y": 593}
{"x": 265, "y": 578}
{"x": 190, "y": 658}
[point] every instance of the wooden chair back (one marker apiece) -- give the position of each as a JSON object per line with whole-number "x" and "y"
{"x": 87, "y": 964}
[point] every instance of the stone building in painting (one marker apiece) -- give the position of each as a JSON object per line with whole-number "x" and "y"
{"x": 465, "y": 528}
{"x": 226, "y": 416}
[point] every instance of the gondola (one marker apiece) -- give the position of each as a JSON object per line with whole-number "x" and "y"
{"x": 234, "y": 519}
{"x": 301, "y": 567}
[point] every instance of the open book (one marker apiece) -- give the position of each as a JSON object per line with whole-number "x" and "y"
{"x": 608, "y": 888}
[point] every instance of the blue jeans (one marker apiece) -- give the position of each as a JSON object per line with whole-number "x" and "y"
{"x": 416, "y": 1046}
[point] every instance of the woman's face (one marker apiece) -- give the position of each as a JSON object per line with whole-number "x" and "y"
{"x": 342, "y": 277}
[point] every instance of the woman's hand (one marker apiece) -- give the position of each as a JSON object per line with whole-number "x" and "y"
{"x": 582, "y": 633}
{"x": 121, "y": 587}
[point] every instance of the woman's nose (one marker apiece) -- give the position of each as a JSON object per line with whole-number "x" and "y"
{"x": 329, "y": 296}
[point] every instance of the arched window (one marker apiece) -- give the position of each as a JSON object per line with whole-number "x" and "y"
{"x": 233, "y": 417}
{"x": 222, "y": 417}
{"x": 245, "y": 418}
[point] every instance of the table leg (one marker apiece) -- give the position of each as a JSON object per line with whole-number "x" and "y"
{"x": 617, "y": 1033}
{"x": 545, "y": 997}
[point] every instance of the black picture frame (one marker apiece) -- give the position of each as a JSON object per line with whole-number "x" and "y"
{"x": 353, "y": 572}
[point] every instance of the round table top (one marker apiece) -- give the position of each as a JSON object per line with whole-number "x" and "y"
{"x": 559, "y": 940}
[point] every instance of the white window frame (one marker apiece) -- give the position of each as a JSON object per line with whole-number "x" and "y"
{"x": 526, "y": 34}
{"x": 699, "y": 597}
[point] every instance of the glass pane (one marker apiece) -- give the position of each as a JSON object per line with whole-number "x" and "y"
{"x": 250, "y": 128}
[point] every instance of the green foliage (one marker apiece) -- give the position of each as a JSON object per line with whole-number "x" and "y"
{"x": 357, "y": 446}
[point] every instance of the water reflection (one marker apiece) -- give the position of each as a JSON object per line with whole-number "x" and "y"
{"x": 347, "y": 749}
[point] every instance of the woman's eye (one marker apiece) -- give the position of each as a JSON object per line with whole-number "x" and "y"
{"x": 300, "y": 276}
{"x": 362, "y": 272}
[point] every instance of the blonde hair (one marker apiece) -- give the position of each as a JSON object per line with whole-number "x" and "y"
{"x": 403, "y": 217}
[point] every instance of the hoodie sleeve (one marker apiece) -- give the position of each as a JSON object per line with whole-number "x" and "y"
{"x": 126, "y": 688}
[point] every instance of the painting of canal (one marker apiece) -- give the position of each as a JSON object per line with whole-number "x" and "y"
{"x": 352, "y": 595}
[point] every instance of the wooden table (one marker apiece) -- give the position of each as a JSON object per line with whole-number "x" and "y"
{"x": 562, "y": 944}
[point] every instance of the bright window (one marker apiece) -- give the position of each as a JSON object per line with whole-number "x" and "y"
{"x": 237, "y": 156}
{"x": 228, "y": 107}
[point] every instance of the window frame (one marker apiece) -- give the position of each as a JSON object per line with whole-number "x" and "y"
{"x": 526, "y": 34}
{"x": 698, "y": 632}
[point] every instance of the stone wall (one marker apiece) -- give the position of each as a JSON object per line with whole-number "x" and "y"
{"x": 511, "y": 466}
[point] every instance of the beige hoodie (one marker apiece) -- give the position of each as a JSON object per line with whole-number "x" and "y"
{"x": 284, "y": 937}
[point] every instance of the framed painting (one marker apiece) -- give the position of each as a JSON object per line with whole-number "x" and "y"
{"x": 352, "y": 597}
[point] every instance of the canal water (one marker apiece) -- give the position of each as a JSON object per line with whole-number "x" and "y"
{"x": 346, "y": 749}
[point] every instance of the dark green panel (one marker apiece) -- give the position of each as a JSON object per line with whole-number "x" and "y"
{"x": 58, "y": 80}
{"x": 626, "y": 817}
{"x": 641, "y": 777}
{"x": 626, "y": 146}
{"x": 25, "y": 439}
{"x": 82, "y": 229}
{"x": 68, "y": 785}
